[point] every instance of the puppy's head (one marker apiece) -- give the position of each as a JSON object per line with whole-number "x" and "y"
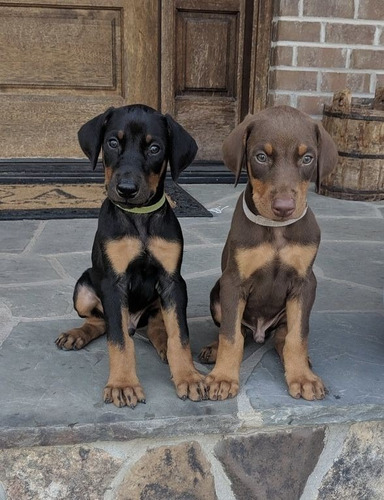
{"x": 137, "y": 143}
{"x": 281, "y": 148}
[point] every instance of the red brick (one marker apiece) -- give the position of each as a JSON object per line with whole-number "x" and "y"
{"x": 357, "y": 82}
{"x": 286, "y": 7}
{"x": 321, "y": 57}
{"x": 367, "y": 59}
{"x": 326, "y": 8}
{"x": 298, "y": 31}
{"x": 277, "y": 99}
{"x": 281, "y": 56}
{"x": 293, "y": 80}
{"x": 313, "y": 105}
{"x": 371, "y": 9}
{"x": 349, "y": 33}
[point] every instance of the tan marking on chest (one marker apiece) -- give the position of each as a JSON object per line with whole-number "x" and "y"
{"x": 299, "y": 257}
{"x": 250, "y": 260}
{"x": 121, "y": 252}
{"x": 166, "y": 252}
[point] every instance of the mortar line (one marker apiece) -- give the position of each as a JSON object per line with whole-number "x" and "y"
{"x": 35, "y": 237}
{"x": 334, "y": 440}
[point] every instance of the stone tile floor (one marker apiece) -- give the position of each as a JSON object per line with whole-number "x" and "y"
{"x": 55, "y": 397}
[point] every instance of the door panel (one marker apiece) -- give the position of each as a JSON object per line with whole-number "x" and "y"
{"x": 202, "y": 68}
{"x": 62, "y": 64}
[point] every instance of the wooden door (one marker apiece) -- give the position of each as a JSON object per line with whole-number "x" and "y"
{"x": 210, "y": 79}
{"x": 64, "y": 61}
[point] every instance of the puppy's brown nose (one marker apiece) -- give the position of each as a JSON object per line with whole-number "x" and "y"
{"x": 126, "y": 189}
{"x": 283, "y": 207}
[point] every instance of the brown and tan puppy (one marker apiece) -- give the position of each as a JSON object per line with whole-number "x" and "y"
{"x": 267, "y": 281}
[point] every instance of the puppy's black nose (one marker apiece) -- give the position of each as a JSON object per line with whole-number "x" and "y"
{"x": 126, "y": 189}
{"x": 283, "y": 207}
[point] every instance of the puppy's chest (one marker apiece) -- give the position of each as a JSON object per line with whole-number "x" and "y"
{"x": 277, "y": 255}
{"x": 123, "y": 252}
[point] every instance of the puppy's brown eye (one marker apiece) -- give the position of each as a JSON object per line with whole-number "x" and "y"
{"x": 154, "y": 149}
{"x": 261, "y": 157}
{"x": 113, "y": 143}
{"x": 307, "y": 159}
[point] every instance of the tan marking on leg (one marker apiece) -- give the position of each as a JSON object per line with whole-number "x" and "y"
{"x": 300, "y": 257}
{"x": 157, "y": 335}
{"x": 249, "y": 260}
{"x": 223, "y": 381}
{"x": 302, "y": 149}
{"x": 123, "y": 387}
{"x": 77, "y": 338}
{"x": 302, "y": 382}
{"x": 188, "y": 381}
{"x": 86, "y": 301}
{"x": 166, "y": 252}
{"x": 268, "y": 148}
{"x": 121, "y": 252}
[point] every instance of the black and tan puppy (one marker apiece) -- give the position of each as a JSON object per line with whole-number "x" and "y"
{"x": 267, "y": 280}
{"x": 137, "y": 251}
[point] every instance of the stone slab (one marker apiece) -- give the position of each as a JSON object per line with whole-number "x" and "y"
{"x": 347, "y": 352}
{"x": 46, "y": 388}
{"x": 358, "y": 472}
{"x": 43, "y": 301}
{"x": 66, "y": 236}
{"x": 179, "y": 472}
{"x": 57, "y": 473}
{"x": 26, "y": 269}
{"x": 357, "y": 263}
{"x": 15, "y": 235}
{"x": 271, "y": 465}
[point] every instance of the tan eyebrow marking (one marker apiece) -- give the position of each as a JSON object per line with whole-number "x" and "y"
{"x": 148, "y": 139}
{"x": 120, "y": 134}
{"x": 268, "y": 148}
{"x": 302, "y": 149}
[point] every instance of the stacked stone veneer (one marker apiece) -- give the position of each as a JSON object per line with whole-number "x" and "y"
{"x": 322, "y": 46}
{"x": 323, "y": 463}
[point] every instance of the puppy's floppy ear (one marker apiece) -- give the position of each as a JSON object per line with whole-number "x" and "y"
{"x": 182, "y": 149}
{"x": 91, "y": 135}
{"x": 327, "y": 154}
{"x": 235, "y": 145}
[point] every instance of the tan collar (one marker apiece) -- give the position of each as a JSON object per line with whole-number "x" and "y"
{"x": 263, "y": 221}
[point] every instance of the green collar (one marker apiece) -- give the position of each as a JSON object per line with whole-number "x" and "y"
{"x": 143, "y": 210}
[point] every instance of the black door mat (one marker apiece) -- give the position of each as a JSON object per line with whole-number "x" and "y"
{"x": 47, "y": 192}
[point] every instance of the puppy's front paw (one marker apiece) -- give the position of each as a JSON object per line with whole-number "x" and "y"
{"x": 208, "y": 354}
{"x": 191, "y": 385}
{"x": 73, "y": 340}
{"x": 221, "y": 387}
{"x": 124, "y": 395}
{"x": 307, "y": 386}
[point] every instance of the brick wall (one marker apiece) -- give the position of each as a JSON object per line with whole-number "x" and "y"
{"x": 321, "y": 46}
